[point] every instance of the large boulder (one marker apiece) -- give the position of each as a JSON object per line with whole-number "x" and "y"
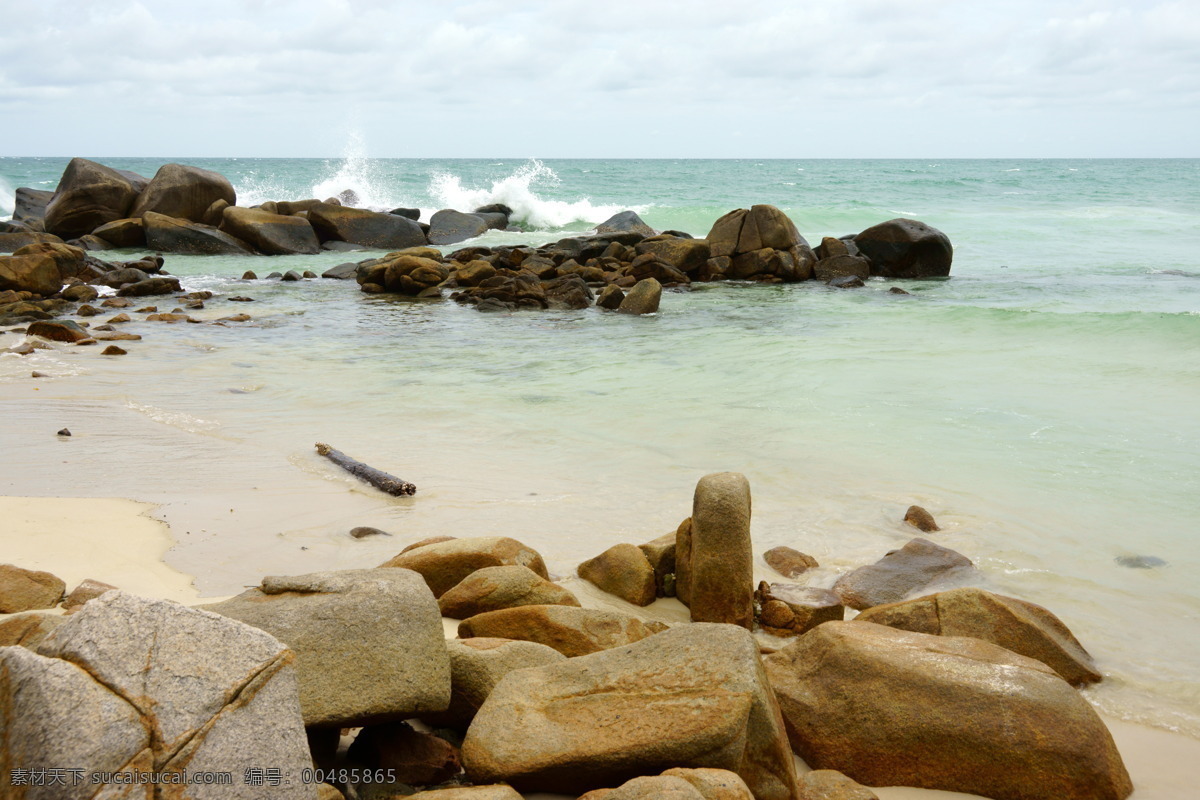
{"x": 914, "y": 567}
{"x": 477, "y": 665}
{"x": 171, "y": 235}
{"x": 123, "y": 233}
{"x": 59, "y": 330}
{"x": 203, "y": 689}
{"x": 569, "y": 630}
{"x": 1013, "y": 624}
{"x": 761, "y": 241}
{"x": 450, "y": 227}
{"x": 368, "y": 643}
{"x": 183, "y": 192}
{"x": 643, "y": 298}
{"x": 29, "y": 206}
{"x": 14, "y": 241}
{"x": 625, "y": 222}
{"x": 692, "y": 696}
{"x": 28, "y": 589}
{"x": 72, "y": 261}
{"x": 88, "y": 195}
{"x": 368, "y": 228}
{"x": 622, "y": 570}
{"x": 445, "y": 564}
{"x": 895, "y": 708}
{"x": 494, "y": 588}
{"x": 722, "y": 559}
{"x": 906, "y": 248}
{"x": 685, "y": 255}
{"x": 37, "y": 273}
{"x": 273, "y": 234}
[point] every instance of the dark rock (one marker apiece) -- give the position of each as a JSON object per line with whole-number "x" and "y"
{"x": 12, "y": 242}
{"x": 291, "y": 275}
{"x": 363, "y": 531}
{"x": 119, "y": 277}
{"x": 341, "y": 272}
{"x": 568, "y": 292}
{"x": 80, "y": 293}
{"x": 113, "y": 350}
{"x": 90, "y": 242}
{"x": 1140, "y": 562}
{"x": 408, "y": 756}
{"x": 59, "y": 330}
{"x": 906, "y": 248}
{"x": 150, "y": 286}
{"x": 914, "y": 567}
{"x": 495, "y": 208}
{"x": 897, "y": 290}
{"x": 30, "y": 205}
{"x": 625, "y": 221}
{"x": 172, "y": 235}
{"x": 88, "y": 196}
{"x": 448, "y": 227}
{"x": 610, "y": 297}
{"x": 408, "y": 213}
{"x": 838, "y": 266}
{"x": 183, "y": 192}
{"x": 362, "y": 227}
{"x": 921, "y": 519}
{"x": 290, "y": 207}
{"x": 847, "y": 282}
{"x": 249, "y": 275}
{"x": 830, "y": 247}
{"x": 273, "y": 234}
{"x": 64, "y": 432}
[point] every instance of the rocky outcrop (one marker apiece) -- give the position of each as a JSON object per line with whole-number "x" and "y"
{"x": 28, "y": 589}
{"x": 59, "y": 330}
{"x": 894, "y": 708}
{"x": 570, "y": 631}
{"x": 183, "y": 192}
{"x": 368, "y": 228}
{"x": 445, "y": 564}
{"x": 916, "y": 566}
{"x": 368, "y": 643}
{"x": 906, "y": 248}
{"x": 171, "y": 235}
{"x": 695, "y": 695}
{"x": 622, "y": 570}
{"x": 761, "y": 243}
{"x": 273, "y": 234}
{"x": 88, "y": 196}
{"x": 1013, "y": 624}
{"x": 722, "y": 561}
{"x": 477, "y": 665}
{"x": 494, "y": 588}
{"x": 29, "y": 207}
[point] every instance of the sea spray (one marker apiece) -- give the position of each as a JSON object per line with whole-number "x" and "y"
{"x": 8, "y": 199}
{"x": 363, "y": 176}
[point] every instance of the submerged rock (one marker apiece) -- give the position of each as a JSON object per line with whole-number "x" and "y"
{"x": 906, "y": 248}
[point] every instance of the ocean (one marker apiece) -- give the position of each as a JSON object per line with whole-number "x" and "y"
{"x": 1041, "y": 402}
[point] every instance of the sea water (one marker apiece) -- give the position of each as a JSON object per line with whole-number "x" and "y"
{"x": 1041, "y": 402}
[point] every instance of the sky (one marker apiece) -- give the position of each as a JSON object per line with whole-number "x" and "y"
{"x": 601, "y": 79}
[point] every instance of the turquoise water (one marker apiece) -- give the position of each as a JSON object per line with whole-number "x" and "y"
{"x": 1041, "y": 402}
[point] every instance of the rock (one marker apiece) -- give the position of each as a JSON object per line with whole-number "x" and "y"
{"x": 80, "y": 293}
{"x": 449, "y": 227}
{"x": 790, "y": 610}
{"x": 914, "y": 567}
{"x": 894, "y": 708}
{"x": 494, "y": 588}
{"x": 906, "y": 248}
{"x": 475, "y": 272}
{"x": 445, "y": 564}
{"x": 830, "y": 247}
{"x": 411, "y": 274}
{"x": 333, "y": 246}
{"x": 842, "y": 266}
{"x": 150, "y": 287}
{"x": 570, "y": 292}
{"x": 1140, "y": 562}
{"x": 116, "y": 302}
{"x": 610, "y": 297}
{"x": 58, "y": 330}
{"x": 289, "y": 207}
{"x": 368, "y": 228}
{"x": 205, "y": 688}
{"x": 693, "y": 695}
{"x": 429, "y": 540}
{"x": 643, "y": 298}
{"x": 921, "y": 519}
{"x": 409, "y": 213}
{"x": 625, "y": 221}
{"x": 172, "y": 235}
{"x": 622, "y": 570}
{"x": 183, "y": 192}
{"x": 648, "y": 787}
{"x": 123, "y": 233}
{"x": 788, "y": 562}
{"x": 846, "y": 282}
{"x": 660, "y": 553}
{"x": 477, "y": 665}
{"x": 118, "y": 319}
{"x": 38, "y": 274}
{"x": 740, "y": 234}
{"x": 897, "y": 290}
{"x": 113, "y": 350}
{"x": 409, "y": 756}
{"x": 120, "y": 277}
{"x": 28, "y": 589}
{"x": 685, "y": 255}
{"x": 364, "y": 531}
{"x": 722, "y": 561}
{"x": 273, "y": 234}
{"x": 88, "y": 196}
{"x": 368, "y": 643}
{"x": 72, "y": 261}
{"x": 829, "y": 784}
{"x": 88, "y": 589}
{"x": 215, "y": 213}
{"x": 29, "y": 206}
{"x": 713, "y": 784}
{"x": 683, "y": 561}
{"x": 291, "y": 276}
{"x": 1013, "y": 624}
{"x": 29, "y": 628}
{"x": 498, "y": 792}
{"x": 570, "y": 631}
{"x": 341, "y": 272}
{"x": 12, "y": 242}
{"x": 63, "y": 432}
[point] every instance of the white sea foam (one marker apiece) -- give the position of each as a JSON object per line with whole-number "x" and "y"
{"x": 361, "y": 175}
{"x": 8, "y": 199}
{"x": 517, "y": 192}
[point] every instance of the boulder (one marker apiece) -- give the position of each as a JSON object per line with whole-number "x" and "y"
{"x": 571, "y": 631}
{"x": 449, "y": 227}
{"x": 742, "y": 235}
{"x": 685, "y": 255}
{"x": 906, "y": 248}
{"x": 72, "y": 261}
{"x": 831, "y": 246}
{"x": 475, "y": 272}
{"x": 368, "y": 228}
{"x": 914, "y": 567}
{"x": 59, "y": 330}
{"x": 368, "y": 643}
{"x": 895, "y": 708}
{"x": 683, "y": 561}
{"x": 494, "y": 588}
{"x": 12, "y": 242}
{"x": 713, "y": 784}
{"x": 622, "y": 570}
{"x": 201, "y": 688}
{"x": 88, "y": 196}
{"x": 829, "y": 784}
{"x": 611, "y": 297}
{"x": 648, "y": 787}
{"x": 789, "y": 562}
{"x": 87, "y": 589}
{"x": 722, "y": 561}
{"x": 29, "y": 206}
{"x": 445, "y": 564}
{"x": 273, "y": 234}
{"x": 123, "y": 233}
{"x": 28, "y": 628}
{"x": 37, "y": 273}
{"x": 1013, "y": 624}
{"x": 921, "y": 519}
{"x": 625, "y": 222}
{"x": 477, "y": 665}
{"x": 406, "y": 756}
{"x": 150, "y": 287}
{"x": 28, "y": 589}
{"x": 643, "y": 298}
{"x": 841, "y": 266}
{"x": 341, "y": 272}
{"x": 172, "y": 235}
{"x": 183, "y": 192}
{"x": 846, "y": 282}
{"x": 694, "y": 695}
{"x": 790, "y": 610}
{"x": 660, "y": 553}
{"x": 290, "y": 207}
{"x": 408, "y": 213}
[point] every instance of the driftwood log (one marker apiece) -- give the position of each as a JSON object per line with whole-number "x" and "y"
{"x": 380, "y": 480}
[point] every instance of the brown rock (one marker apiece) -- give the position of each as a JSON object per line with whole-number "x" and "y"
{"x": 183, "y": 192}
{"x": 713, "y": 784}
{"x": 841, "y": 266}
{"x": 894, "y": 708}
{"x": 921, "y": 519}
{"x": 430, "y": 540}
{"x": 829, "y": 784}
{"x": 1013, "y": 624}
{"x": 171, "y": 235}
{"x": 474, "y": 272}
{"x": 36, "y": 273}
{"x": 494, "y": 588}
{"x": 445, "y": 564}
{"x": 27, "y": 629}
{"x": 13, "y": 241}
{"x": 570, "y": 631}
{"x": 88, "y": 196}
{"x": 789, "y": 562}
{"x": 906, "y": 248}
{"x": 683, "y": 562}
{"x": 477, "y": 665}
{"x": 498, "y": 792}
{"x": 622, "y": 570}
{"x": 273, "y": 234}
{"x": 722, "y": 561}
{"x": 685, "y": 255}
{"x": 85, "y": 591}
{"x": 116, "y": 302}
{"x": 648, "y": 787}
{"x": 368, "y": 228}
{"x": 113, "y": 350}
{"x": 914, "y": 567}
{"x": 58, "y": 330}
{"x": 660, "y": 553}
{"x": 643, "y": 298}
{"x": 807, "y": 606}
{"x": 610, "y": 297}
{"x": 123, "y": 233}
{"x": 412, "y": 757}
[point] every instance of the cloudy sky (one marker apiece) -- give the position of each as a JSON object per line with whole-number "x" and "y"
{"x": 592, "y": 78}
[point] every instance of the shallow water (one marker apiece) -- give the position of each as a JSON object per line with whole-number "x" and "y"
{"x": 1040, "y": 403}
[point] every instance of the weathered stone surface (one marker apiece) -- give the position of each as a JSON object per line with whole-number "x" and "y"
{"x": 906, "y": 248}
{"x": 273, "y": 234}
{"x": 743, "y": 236}
{"x": 722, "y": 561}
{"x": 450, "y": 227}
{"x": 172, "y": 235}
{"x": 648, "y": 787}
{"x": 499, "y": 792}
{"x": 445, "y": 564}
{"x": 183, "y": 192}
{"x": 29, "y": 206}
{"x": 38, "y": 274}
{"x": 28, "y": 628}
{"x": 87, "y": 589}
{"x": 625, "y": 221}
{"x": 660, "y": 553}
{"x": 917, "y": 565}
{"x": 475, "y": 272}
{"x": 610, "y": 297}
{"x": 477, "y": 665}
{"x": 73, "y": 262}
{"x": 790, "y": 610}
{"x": 127, "y": 232}
{"x": 841, "y": 266}
{"x": 368, "y": 643}
{"x": 150, "y": 287}
{"x": 14, "y": 241}
{"x": 685, "y": 255}
{"x": 713, "y": 784}
{"x": 567, "y": 292}
{"x": 921, "y": 519}
{"x": 88, "y": 196}
{"x": 58, "y": 330}
{"x": 643, "y": 298}
{"x": 695, "y": 695}
{"x": 411, "y": 274}
{"x": 622, "y": 570}
{"x": 368, "y": 228}
{"x": 205, "y": 687}
{"x": 789, "y": 562}
{"x": 494, "y": 588}
{"x": 683, "y": 562}
{"x": 341, "y": 272}
{"x": 846, "y": 282}
{"x": 895, "y": 708}
{"x": 571, "y": 631}
{"x": 829, "y": 784}
{"x": 1013, "y": 624}
{"x": 411, "y": 757}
